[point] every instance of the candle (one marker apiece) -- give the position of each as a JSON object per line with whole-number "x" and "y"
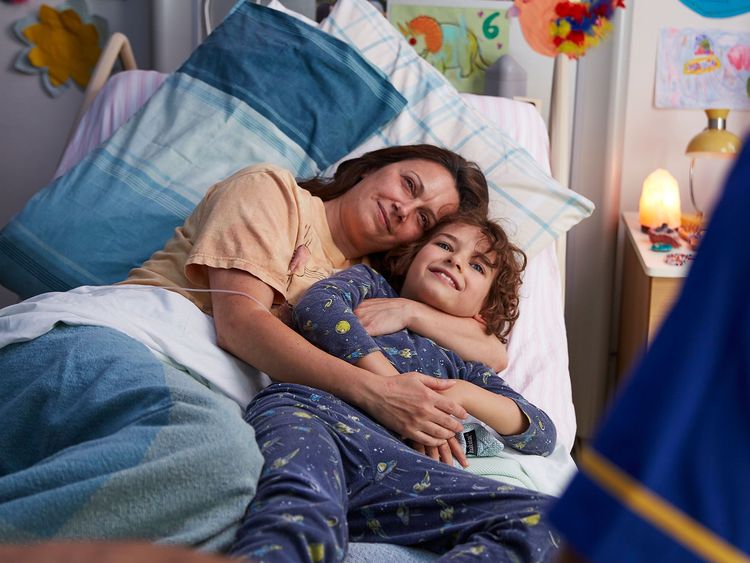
{"x": 660, "y": 201}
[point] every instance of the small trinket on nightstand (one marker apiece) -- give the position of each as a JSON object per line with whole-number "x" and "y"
{"x": 663, "y": 238}
{"x": 678, "y": 258}
{"x": 661, "y": 247}
{"x": 692, "y": 239}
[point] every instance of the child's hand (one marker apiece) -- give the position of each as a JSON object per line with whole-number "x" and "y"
{"x": 384, "y": 315}
{"x": 445, "y": 452}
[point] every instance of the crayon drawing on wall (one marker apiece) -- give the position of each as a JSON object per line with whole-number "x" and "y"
{"x": 461, "y": 41}
{"x": 698, "y": 69}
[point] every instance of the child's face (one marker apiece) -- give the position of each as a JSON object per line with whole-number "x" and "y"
{"x": 452, "y": 271}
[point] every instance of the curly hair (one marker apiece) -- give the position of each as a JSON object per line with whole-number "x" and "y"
{"x": 500, "y": 308}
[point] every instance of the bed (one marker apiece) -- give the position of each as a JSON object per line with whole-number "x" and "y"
{"x": 141, "y": 127}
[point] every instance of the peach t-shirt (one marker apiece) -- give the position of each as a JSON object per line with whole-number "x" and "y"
{"x": 254, "y": 221}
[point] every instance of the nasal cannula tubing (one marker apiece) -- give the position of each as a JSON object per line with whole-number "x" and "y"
{"x": 230, "y": 291}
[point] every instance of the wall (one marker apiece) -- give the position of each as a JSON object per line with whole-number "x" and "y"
{"x": 619, "y": 138}
{"x": 657, "y": 138}
{"x": 35, "y": 126}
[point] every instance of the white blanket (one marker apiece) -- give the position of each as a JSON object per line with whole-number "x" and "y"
{"x": 167, "y": 323}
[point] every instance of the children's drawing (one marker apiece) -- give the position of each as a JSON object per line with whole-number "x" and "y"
{"x": 701, "y": 69}
{"x": 461, "y": 42}
{"x": 446, "y": 46}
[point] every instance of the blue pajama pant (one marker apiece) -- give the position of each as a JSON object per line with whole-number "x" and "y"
{"x": 332, "y": 475}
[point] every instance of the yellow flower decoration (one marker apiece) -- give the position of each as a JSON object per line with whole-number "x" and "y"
{"x": 62, "y": 45}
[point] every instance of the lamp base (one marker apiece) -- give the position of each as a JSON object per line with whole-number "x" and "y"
{"x": 692, "y": 222}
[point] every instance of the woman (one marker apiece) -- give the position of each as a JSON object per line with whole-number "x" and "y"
{"x": 260, "y": 234}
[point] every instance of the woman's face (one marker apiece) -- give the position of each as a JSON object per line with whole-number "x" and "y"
{"x": 396, "y": 203}
{"x": 452, "y": 272}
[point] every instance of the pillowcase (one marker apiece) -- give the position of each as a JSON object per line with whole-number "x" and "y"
{"x": 264, "y": 87}
{"x": 121, "y": 96}
{"x": 533, "y": 207}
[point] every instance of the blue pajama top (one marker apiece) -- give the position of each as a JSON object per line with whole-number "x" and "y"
{"x": 325, "y": 316}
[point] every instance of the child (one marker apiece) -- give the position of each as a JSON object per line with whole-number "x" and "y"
{"x": 332, "y": 473}
{"x": 489, "y": 287}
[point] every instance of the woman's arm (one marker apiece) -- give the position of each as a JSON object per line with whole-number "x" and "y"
{"x": 408, "y": 404}
{"x": 465, "y": 336}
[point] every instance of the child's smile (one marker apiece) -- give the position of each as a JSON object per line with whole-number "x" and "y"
{"x": 452, "y": 272}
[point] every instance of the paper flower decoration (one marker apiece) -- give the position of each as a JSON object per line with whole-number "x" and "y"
{"x": 552, "y": 27}
{"x": 63, "y": 45}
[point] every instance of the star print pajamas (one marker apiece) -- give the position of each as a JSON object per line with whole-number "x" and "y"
{"x": 324, "y": 316}
{"x": 333, "y": 474}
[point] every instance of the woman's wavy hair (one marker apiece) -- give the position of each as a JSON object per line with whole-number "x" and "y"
{"x": 469, "y": 178}
{"x": 500, "y": 308}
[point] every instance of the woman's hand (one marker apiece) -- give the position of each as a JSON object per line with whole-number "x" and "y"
{"x": 384, "y": 315}
{"x": 411, "y": 405}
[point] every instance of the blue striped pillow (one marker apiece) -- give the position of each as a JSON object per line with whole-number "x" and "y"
{"x": 263, "y": 87}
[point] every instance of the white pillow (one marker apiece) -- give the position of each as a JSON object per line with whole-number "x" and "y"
{"x": 520, "y": 120}
{"x": 533, "y": 207}
{"x": 276, "y": 5}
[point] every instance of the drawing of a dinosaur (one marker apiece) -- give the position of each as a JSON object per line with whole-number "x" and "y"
{"x": 445, "y": 45}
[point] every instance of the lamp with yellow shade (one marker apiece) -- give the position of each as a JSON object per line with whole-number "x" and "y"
{"x": 713, "y": 142}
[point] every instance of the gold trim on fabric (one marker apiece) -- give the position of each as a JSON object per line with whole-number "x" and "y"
{"x": 655, "y": 510}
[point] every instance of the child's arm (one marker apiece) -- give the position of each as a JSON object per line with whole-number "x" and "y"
{"x": 324, "y": 316}
{"x": 487, "y": 397}
{"x": 376, "y": 362}
{"x": 466, "y": 336}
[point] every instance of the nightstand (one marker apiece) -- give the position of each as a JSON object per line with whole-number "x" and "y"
{"x": 649, "y": 287}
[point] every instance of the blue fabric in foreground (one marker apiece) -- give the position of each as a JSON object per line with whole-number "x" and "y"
{"x": 263, "y": 88}
{"x": 681, "y": 427}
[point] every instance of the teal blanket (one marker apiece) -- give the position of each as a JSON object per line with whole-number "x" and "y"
{"x": 101, "y": 440}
